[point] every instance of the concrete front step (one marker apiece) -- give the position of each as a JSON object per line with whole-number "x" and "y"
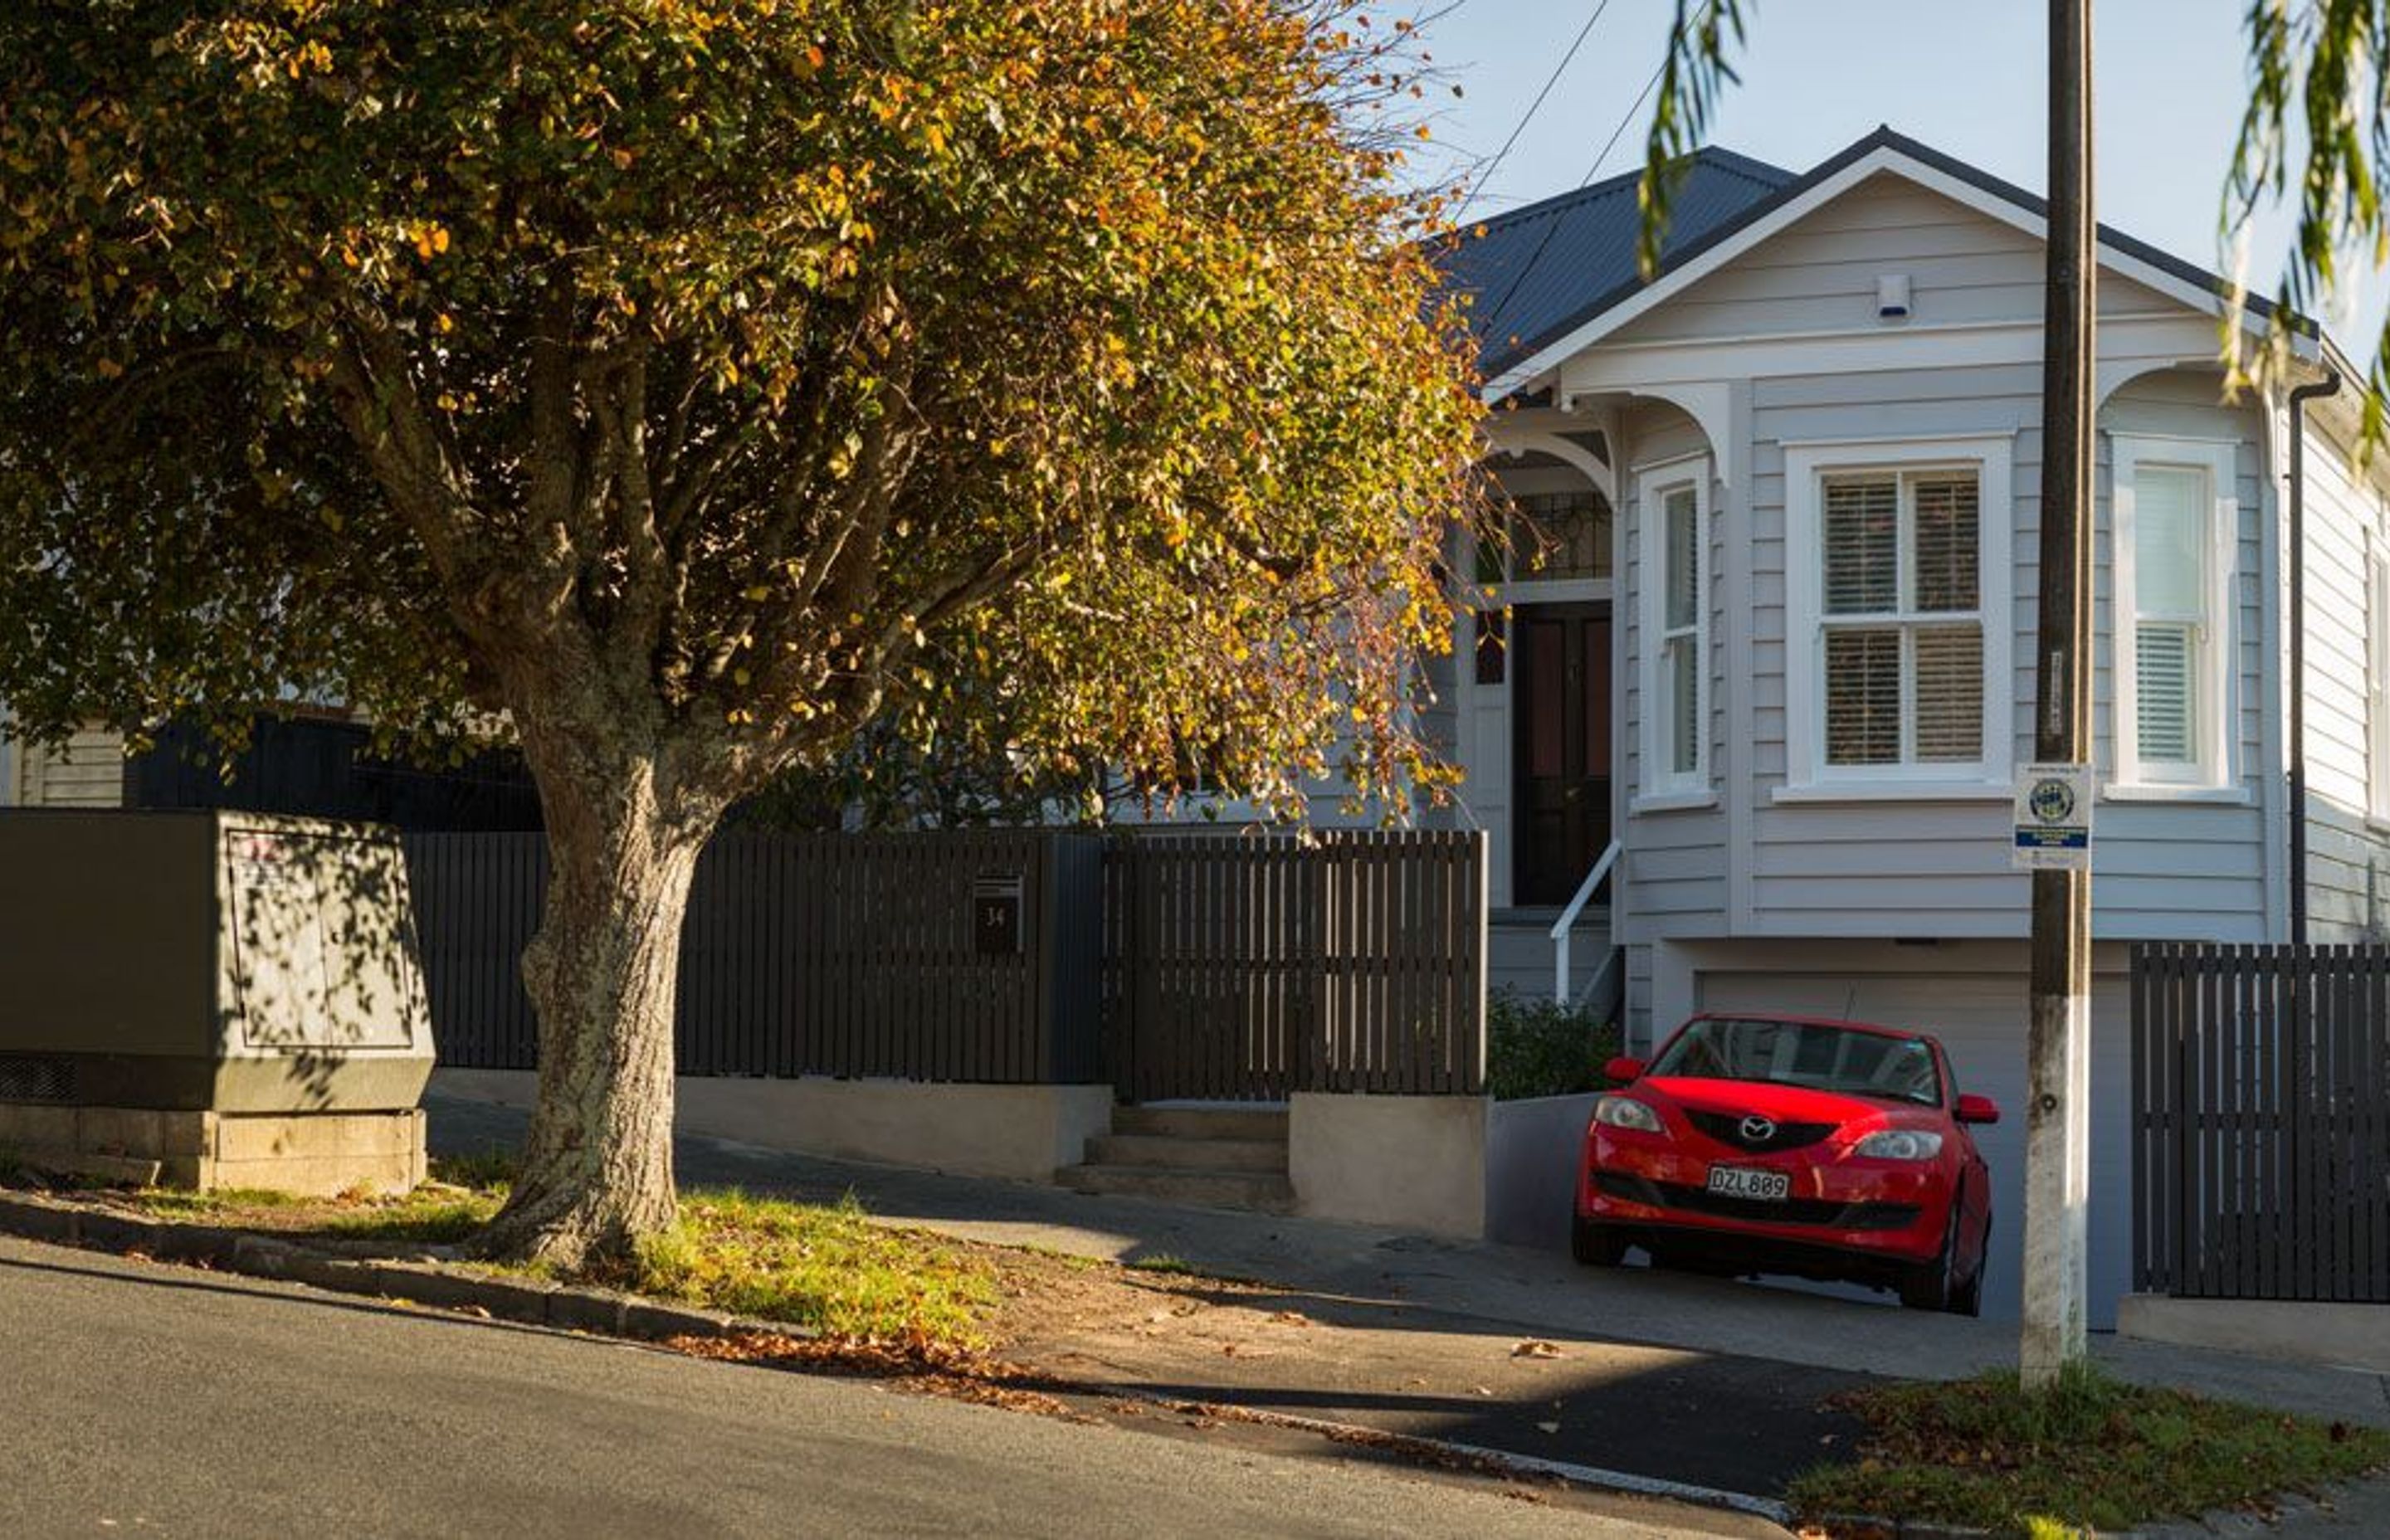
{"x": 1176, "y": 1152}
{"x": 1234, "y": 1124}
{"x": 1264, "y": 1192}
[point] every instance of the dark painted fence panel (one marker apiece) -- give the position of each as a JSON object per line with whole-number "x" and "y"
{"x": 2261, "y": 1090}
{"x": 1239, "y": 968}
{"x": 1215, "y": 966}
{"x": 802, "y": 955}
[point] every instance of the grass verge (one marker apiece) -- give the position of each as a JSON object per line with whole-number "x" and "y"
{"x": 827, "y": 1268}
{"x": 2093, "y": 1454}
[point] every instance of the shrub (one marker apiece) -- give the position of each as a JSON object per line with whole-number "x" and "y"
{"x": 1535, "y": 1047}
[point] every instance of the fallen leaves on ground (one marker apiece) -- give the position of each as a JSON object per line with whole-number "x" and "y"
{"x": 919, "y": 1364}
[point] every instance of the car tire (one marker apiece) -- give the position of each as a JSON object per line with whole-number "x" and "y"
{"x": 1968, "y": 1300}
{"x": 1931, "y": 1285}
{"x": 1596, "y": 1244}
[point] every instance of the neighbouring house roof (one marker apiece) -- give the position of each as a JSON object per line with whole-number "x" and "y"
{"x": 1576, "y": 252}
{"x": 1538, "y": 271}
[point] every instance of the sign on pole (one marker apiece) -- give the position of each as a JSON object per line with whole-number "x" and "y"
{"x": 2053, "y": 818}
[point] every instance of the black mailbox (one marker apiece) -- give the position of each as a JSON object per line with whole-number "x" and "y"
{"x": 996, "y": 913}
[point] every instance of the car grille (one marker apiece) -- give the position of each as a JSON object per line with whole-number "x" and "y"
{"x": 1727, "y": 1128}
{"x": 1788, "y": 1210}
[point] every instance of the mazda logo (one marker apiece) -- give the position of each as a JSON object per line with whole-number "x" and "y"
{"x": 1757, "y": 1130}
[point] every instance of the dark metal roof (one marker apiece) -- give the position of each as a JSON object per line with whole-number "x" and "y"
{"x": 1582, "y": 244}
{"x": 1587, "y": 261}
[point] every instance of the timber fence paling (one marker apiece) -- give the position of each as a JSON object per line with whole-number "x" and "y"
{"x": 1222, "y": 965}
{"x": 2261, "y": 1083}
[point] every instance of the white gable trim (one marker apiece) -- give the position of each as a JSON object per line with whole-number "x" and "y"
{"x": 1883, "y": 158}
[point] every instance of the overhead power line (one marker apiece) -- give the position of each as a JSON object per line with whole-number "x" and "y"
{"x": 1551, "y": 225}
{"x": 1559, "y": 70}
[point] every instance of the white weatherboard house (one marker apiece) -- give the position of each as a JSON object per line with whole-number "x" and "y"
{"x": 1780, "y": 650}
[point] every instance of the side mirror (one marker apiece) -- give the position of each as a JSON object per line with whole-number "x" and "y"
{"x": 1977, "y": 1110}
{"x": 1622, "y": 1070}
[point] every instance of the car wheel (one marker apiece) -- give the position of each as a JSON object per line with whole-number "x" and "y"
{"x": 1969, "y": 1301}
{"x": 1596, "y": 1244}
{"x": 1929, "y": 1285}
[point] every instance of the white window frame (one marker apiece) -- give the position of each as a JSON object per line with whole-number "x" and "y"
{"x": 1806, "y": 466}
{"x": 1654, "y": 484}
{"x": 2377, "y": 676}
{"x": 2215, "y": 706}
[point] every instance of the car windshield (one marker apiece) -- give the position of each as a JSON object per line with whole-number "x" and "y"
{"x": 1805, "y": 1054}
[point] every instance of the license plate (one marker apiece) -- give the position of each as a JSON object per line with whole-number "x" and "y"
{"x": 1743, "y": 1182}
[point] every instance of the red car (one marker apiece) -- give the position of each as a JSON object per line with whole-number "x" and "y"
{"x": 1784, "y": 1144}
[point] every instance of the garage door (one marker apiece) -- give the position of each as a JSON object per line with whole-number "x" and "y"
{"x": 1979, "y": 1018}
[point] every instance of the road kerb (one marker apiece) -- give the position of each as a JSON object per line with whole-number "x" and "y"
{"x": 1470, "y": 1454}
{"x": 424, "y": 1281}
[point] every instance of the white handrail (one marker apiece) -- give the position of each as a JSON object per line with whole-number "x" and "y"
{"x": 1567, "y": 922}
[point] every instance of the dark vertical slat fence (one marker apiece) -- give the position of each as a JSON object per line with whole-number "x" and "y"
{"x": 1203, "y": 966}
{"x": 1246, "y": 967}
{"x": 2261, "y": 1117}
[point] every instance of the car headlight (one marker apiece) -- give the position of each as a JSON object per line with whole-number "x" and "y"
{"x": 1900, "y": 1144}
{"x": 1626, "y": 1113}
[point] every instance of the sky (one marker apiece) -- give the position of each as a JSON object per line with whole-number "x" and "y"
{"x": 1965, "y": 76}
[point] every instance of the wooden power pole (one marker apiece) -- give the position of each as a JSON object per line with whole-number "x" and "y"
{"x": 2057, "y": 1151}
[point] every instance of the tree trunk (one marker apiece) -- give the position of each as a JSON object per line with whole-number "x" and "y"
{"x": 602, "y": 973}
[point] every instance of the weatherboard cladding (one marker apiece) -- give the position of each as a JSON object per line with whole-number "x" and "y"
{"x": 2348, "y": 860}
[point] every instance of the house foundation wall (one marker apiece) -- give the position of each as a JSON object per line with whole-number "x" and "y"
{"x": 1021, "y": 1132}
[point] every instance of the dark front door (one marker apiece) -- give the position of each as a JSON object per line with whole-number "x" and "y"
{"x": 1559, "y": 704}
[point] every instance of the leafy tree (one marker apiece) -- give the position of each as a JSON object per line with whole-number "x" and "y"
{"x": 2316, "y": 74}
{"x": 680, "y": 379}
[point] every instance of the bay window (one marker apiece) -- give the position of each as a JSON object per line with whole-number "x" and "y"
{"x": 1896, "y": 613}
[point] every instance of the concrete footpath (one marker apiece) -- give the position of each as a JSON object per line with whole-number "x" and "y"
{"x": 1710, "y": 1382}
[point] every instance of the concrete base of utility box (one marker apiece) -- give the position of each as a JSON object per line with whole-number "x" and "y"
{"x": 314, "y": 1154}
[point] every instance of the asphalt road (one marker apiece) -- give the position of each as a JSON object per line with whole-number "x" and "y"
{"x": 145, "y": 1399}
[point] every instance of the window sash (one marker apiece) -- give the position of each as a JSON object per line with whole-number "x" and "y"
{"x": 1683, "y": 571}
{"x": 1674, "y": 610}
{"x": 2172, "y": 633}
{"x": 2170, "y": 539}
{"x": 1901, "y": 589}
{"x": 1681, "y": 667}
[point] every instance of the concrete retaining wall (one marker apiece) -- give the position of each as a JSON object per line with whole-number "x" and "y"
{"x": 1532, "y": 1150}
{"x": 1445, "y": 1165}
{"x": 1022, "y": 1132}
{"x": 1414, "y": 1162}
{"x": 2346, "y": 1336}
